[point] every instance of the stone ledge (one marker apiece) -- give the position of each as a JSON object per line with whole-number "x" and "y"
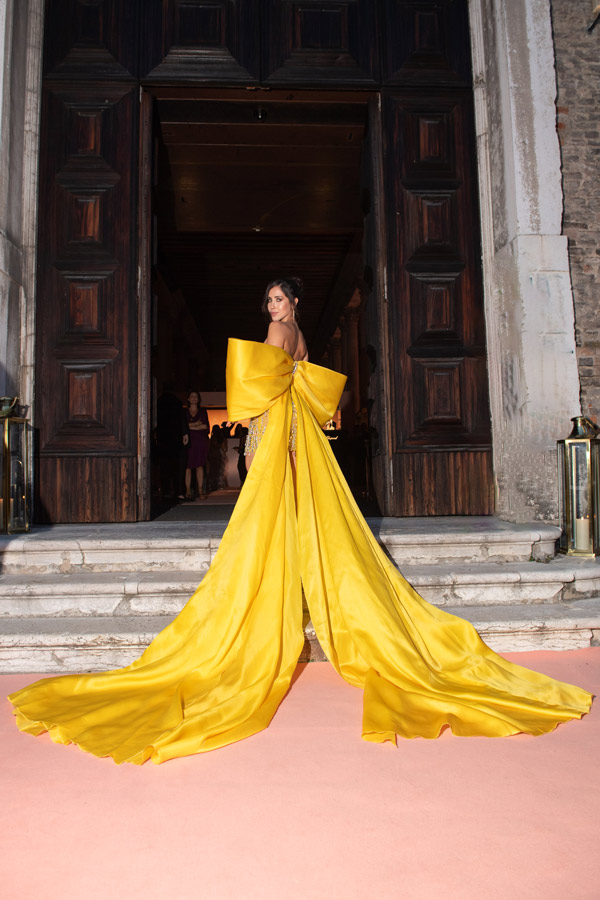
{"x": 166, "y": 591}
{"x": 471, "y": 539}
{"x": 86, "y": 644}
{"x": 129, "y": 555}
{"x": 490, "y": 583}
{"x": 545, "y": 627}
{"x": 156, "y": 546}
{"x": 96, "y": 593}
{"x": 96, "y": 643}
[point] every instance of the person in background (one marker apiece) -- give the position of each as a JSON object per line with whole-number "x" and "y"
{"x": 197, "y": 445}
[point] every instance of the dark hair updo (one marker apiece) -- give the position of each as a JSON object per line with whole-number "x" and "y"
{"x": 291, "y": 287}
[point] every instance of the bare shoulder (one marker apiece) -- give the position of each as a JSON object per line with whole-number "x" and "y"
{"x": 277, "y": 334}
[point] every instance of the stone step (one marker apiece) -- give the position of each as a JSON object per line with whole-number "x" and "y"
{"x": 96, "y": 643}
{"x": 493, "y": 584}
{"x": 90, "y": 643}
{"x": 190, "y": 546}
{"x": 520, "y": 627}
{"x": 96, "y": 594}
{"x": 468, "y": 539}
{"x": 166, "y": 591}
{"x": 75, "y": 598}
{"x": 139, "y": 547}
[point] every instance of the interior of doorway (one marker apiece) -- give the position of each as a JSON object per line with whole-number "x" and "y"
{"x": 249, "y": 186}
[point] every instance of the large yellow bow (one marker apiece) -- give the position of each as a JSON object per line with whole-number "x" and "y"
{"x": 258, "y": 374}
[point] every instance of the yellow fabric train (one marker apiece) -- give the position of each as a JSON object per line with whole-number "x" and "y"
{"x": 218, "y": 672}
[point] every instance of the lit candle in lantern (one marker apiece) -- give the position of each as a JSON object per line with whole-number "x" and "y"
{"x": 582, "y": 533}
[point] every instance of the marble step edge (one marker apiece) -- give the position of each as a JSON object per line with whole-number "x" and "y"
{"x": 479, "y": 538}
{"x": 413, "y": 529}
{"x": 125, "y": 556}
{"x": 165, "y": 592}
{"x": 97, "y": 643}
{"x": 407, "y": 541}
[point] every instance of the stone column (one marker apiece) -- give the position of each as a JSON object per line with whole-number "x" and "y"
{"x": 21, "y": 39}
{"x": 21, "y": 26}
{"x": 534, "y": 386}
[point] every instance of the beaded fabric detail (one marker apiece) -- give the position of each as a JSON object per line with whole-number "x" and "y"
{"x": 256, "y": 428}
{"x": 293, "y": 430}
{"x": 258, "y": 425}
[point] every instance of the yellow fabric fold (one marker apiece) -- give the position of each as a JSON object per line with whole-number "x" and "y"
{"x": 251, "y": 386}
{"x": 421, "y": 668}
{"x": 218, "y": 672}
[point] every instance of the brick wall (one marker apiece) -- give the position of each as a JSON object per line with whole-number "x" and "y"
{"x": 578, "y": 121}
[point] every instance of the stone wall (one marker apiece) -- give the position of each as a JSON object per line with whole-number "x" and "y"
{"x": 532, "y": 365}
{"x": 20, "y": 62}
{"x": 578, "y": 78}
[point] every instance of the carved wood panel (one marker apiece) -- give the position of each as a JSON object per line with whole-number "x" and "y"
{"x": 437, "y": 333}
{"x": 201, "y": 41}
{"x": 425, "y": 41}
{"x": 91, "y": 38}
{"x": 318, "y": 42}
{"x": 281, "y": 42}
{"x": 86, "y": 319}
{"x": 87, "y": 489}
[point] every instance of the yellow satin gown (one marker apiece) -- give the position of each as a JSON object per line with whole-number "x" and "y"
{"x": 218, "y": 672}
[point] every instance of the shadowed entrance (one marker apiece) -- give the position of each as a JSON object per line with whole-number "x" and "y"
{"x": 249, "y": 189}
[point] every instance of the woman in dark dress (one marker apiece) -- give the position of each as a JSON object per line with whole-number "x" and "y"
{"x": 197, "y": 445}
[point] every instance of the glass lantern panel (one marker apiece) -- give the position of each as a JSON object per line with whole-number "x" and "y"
{"x": 595, "y": 449}
{"x": 17, "y": 471}
{"x": 562, "y": 506}
{"x": 3, "y": 501}
{"x": 580, "y": 500}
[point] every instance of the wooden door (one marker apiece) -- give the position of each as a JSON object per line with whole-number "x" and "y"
{"x": 426, "y": 308}
{"x": 441, "y": 442}
{"x": 86, "y": 325}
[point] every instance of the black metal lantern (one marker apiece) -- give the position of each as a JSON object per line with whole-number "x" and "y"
{"x": 579, "y": 489}
{"x": 13, "y": 475}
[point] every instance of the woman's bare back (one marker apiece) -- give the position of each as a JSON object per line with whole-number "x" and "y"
{"x": 288, "y": 336}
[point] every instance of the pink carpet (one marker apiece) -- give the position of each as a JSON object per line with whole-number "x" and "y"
{"x": 307, "y": 809}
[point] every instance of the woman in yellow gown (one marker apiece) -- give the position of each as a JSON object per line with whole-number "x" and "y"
{"x": 218, "y": 672}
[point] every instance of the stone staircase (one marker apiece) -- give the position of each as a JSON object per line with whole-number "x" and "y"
{"x": 86, "y": 598}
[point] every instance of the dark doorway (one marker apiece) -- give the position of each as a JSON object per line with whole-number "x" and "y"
{"x": 237, "y": 99}
{"x": 248, "y": 186}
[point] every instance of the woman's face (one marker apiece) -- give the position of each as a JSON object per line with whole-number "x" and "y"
{"x": 193, "y": 398}
{"x": 280, "y": 308}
